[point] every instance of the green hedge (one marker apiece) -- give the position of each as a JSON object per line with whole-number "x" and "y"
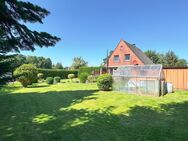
{"x": 87, "y": 70}
{"x": 57, "y": 72}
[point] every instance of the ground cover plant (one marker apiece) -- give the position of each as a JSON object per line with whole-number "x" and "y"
{"x": 79, "y": 112}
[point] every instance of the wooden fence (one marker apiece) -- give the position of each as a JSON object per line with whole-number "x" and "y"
{"x": 177, "y": 76}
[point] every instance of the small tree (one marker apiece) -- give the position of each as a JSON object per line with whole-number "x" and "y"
{"x": 171, "y": 59}
{"x": 26, "y": 74}
{"x": 59, "y": 66}
{"x": 181, "y": 63}
{"x": 78, "y": 62}
{"x": 153, "y": 56}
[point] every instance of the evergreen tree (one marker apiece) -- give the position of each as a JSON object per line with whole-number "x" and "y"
{"x": 171, "y": 59}
{"x": 181, "y": 63}
{"x": 153, "y": 56}
{"x": 59, "y": 66}
{"x": 6, "y": 68}
{"x": 14, "y": 34}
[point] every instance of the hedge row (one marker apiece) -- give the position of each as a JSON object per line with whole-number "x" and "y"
{"x": 57, "y": 72}
{"x": 88, "y": 70}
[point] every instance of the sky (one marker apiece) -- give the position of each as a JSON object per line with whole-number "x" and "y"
{"x": 89, "y": 27}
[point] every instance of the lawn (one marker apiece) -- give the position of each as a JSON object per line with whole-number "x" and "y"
{"x": 79, "y": 112}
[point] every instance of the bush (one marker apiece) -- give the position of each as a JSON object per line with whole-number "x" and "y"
{"x": 57, "y": 79}
{"x": 49, "y": 80}
{"x": 76, "y": 81}
{"x": 26, "y": 74}
{"x": 91, "y": 79}
{"x": 71, "y": 76}
{"x": 40, "y": 76}
{"x": 104, "y": 82}
{"x": 83, "y": 77}
{"x": 87, "y": 70}
{"x": 57, "y": 72}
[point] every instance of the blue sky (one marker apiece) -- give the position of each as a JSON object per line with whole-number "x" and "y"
{"x": 89, "y": 27}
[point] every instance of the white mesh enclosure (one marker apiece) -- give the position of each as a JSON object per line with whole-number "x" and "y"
{"x": 138, "y": 79}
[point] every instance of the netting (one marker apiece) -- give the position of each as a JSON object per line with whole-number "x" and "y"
{"x": 138, "y": 79}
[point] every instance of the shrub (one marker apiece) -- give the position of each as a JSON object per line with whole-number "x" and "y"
{"x": 104, "y": 82}
{"x": 57, "y": 79}
{"x": 49, "y": 80}
{"x": 26, "y": 74}
{"x": 91, "y": 79}
{"x": 87, "y": 70}
{"x": 57, "y": 72}
{"x": 71, "y": 76}
{"x": 83, "y": 77}
{"x": 40, "y": 76}
{"x": 76, "y": 81}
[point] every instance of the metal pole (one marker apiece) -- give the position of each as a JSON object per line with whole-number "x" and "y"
{"x": 107, "y": 61}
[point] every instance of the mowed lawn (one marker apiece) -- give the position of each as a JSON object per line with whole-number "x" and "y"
{"x": 79, "y": 112}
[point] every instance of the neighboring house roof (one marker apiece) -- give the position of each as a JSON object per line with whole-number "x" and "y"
{"x": 146, "y": 60}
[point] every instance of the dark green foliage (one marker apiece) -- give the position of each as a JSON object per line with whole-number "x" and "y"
{"x": 14, "y": 34}
{"x": 20, "y": 60}
{"x": 88, "y": 70}
{"x": 58, "y": 66}
{"x": 170, "y": 59}
{"x": 6, "y": 68}
{"x": 181, "y": 63}
{"x": 57, "y": 72}
{"x": 78, "y": 62}
{"x": 83, "y": 77}
{"x": 104, "y": 82}
{"x": 57, "y": 79}
{"x": 40, "y": 62}
{"x": 49, "y": 80}
{"x": 153, "y": 55}
{"x": 26, "y": 74}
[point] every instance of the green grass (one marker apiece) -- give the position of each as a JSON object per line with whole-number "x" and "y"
{"x": 79, "y": 112}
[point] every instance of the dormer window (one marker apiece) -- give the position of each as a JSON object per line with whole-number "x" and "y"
{"x": 116, "y": 58}
{"x": 127, "y": 57}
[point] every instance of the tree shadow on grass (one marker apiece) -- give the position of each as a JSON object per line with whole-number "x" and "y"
{"x": 142, "y": 124}
{"x": 39, "y": 117}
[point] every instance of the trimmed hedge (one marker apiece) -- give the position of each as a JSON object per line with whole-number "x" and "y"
{"x": 87, "y": 70}
{"x": 49, "y": 80}
{"x": 57, "y": 79}
{"x": 57, "y": 72}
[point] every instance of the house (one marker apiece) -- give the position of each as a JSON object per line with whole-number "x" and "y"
{"x": 127, "y": 54}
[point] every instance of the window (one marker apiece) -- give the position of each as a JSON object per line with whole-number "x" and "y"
{"x": 116, "y": 58}
{"x": 127, "y": 57}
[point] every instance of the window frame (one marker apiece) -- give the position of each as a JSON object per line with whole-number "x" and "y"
{"x": 125, "y": 57}
{"x": 118, "y": 58}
